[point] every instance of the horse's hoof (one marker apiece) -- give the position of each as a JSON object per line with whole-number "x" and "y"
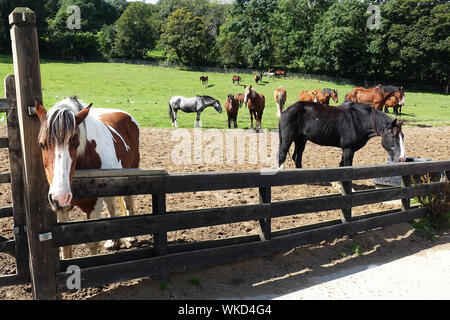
{"x": 112, "y": 244}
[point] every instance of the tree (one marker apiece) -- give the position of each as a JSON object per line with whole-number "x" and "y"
{"x": 185, "y": 37}
{"x": 136, "y": 31}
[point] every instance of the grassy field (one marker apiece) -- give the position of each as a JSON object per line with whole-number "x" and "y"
{"x": 144, "y": 92}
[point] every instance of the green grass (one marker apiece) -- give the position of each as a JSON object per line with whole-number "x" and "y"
{"x": 117, "y": 85}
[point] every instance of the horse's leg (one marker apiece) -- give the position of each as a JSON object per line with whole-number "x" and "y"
{"x": 67, "y": 250}
{"x": 129, "y": 205}
{"x": 95, "y": 214}
{"x": 251, "y": 119}
{"x": 235, "y": 121}
{"x": 229, "y": 122}
{"x": 278, "y": 109}
{"x": 346, "y": 160}
{"x": 197, "y": 122}
{"x": 286, "y": 134}
{"x": 110, "y": 205}
{"x": 300, "y": 142}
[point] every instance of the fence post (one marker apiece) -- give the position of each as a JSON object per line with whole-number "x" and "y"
{"x": 406, "y": 182}
{"x": 160, "y": 239}
{"x": 17, "y": 187}
{"x": 40, "y": 217}
{"x": 265, "y": 224}
{"x": 346, "y": 214}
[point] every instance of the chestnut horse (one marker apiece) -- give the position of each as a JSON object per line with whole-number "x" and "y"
{"x": 240, "y": 99}
{"x": 232, "y": 106}
{"x": 280, "y": 73}
{"x": 323, "y": 96}
{"x": 307, "y": 96}
{"x": 76, "y": 136}
{"x": 258, "y": 77}
{"x": 392, "y": 102}
{"x": 280, "y": 99}
{"x": 376, "y": 96}
{"x": 236, "y": 79}
{"x": 256, "y": 103}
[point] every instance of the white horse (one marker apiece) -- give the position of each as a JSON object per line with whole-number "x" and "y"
{"x": 195, "y": 104}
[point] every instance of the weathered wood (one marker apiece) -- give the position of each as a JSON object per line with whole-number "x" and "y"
{"x": 406, "y": 202}
{"x": 5, "y": 104}
{"x": 102, "y": 229}
{"x": 159, "y": 210}
{"x": 10, "y": 280}
{"x": 306, "y": 205}
{"x": 17, "y": 186}
{"x": 6, "y": 212}
{"x": 265, "y": 223}
{"x": 5, "y": 177}
{"x": 128, "y": 172}
{"x": 39, "y": 215}
{"x": 4, "y": 143}
{"x": 349, "y": 227}
{"x": 168, "y": 263}
{"x": 8, "y": 246}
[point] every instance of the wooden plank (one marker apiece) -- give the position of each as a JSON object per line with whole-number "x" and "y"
{"x": 5, "y": 177}
{"x": 38, "y": 213}
{"x": 108, "y": 173}
{"x": 9, "y": 280}
{"x": 4, "y": 143}
{"x": 387, "y": 194}
{"x": 169, "y": 263}
{"x": 306, "y": 205}
{"x": 110, "y": 228}
{"x": 6, "y": 212}
{"x": 112, "y": 186}
{"x": 5, "y": 104}
{"x": 17, "y": 186}
{"x": 8, "y": 246}
{"x": 265, "y": 195}
{"x": 339, "y": 230}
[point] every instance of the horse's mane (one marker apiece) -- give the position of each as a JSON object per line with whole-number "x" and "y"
{"x": 208, "y": 98}
{"x": 380, "y": 120}
{"x": 60, "y": 124}
{"x": 389, "y": 88}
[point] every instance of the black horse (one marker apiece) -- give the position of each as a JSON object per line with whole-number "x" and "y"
{"x": 348, "y": 126}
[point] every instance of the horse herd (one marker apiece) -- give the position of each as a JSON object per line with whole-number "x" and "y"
{"x": 378, "y": 96}
{"x": 75, "y": 136}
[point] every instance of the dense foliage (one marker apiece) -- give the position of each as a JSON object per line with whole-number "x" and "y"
{"x": 411, "y": 44}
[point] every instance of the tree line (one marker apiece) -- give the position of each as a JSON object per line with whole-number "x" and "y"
{"x": 409, "y": 42}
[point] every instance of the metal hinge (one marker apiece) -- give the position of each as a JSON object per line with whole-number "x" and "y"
{"x": 45, "y": 236}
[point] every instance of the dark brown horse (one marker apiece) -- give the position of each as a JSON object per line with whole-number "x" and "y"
{"x": 256, "y": 103}
{"x": 376, "y": 96}
{"x": 258, "y": 77}
{"x": 204, "y": 80}
{"x": 236, "y": 79}
{"x": 232, "y": 107}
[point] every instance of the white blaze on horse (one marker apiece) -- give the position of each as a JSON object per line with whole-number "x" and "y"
{"x": 76, "y": 136}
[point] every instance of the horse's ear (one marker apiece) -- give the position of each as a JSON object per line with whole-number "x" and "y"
{"x": 250, "y": 87}
{"x": 40, "y": 110}
{"x": 394, "y": 123}
{"x": 80, "y": 116}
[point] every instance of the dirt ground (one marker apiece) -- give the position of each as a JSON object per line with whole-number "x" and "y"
{"x": 254, "y": 277}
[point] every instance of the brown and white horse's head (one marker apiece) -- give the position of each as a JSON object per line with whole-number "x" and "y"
{"x": 247, "y": 93}
{"x": 400, "y": 96}
{"x": 62, "y": 138}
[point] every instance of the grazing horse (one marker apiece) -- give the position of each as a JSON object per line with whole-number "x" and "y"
{"x": 323, "y": 96}
{"x": 204, "y": 80}
{"x": 258, "y": 77}
{"x": 280, "y": 99}
{"x": 256, "y": 103}
{"x": 232, "y": 106}
{"x": 348, "y": 126}
{"x": 195, "y": 104}
{"x": 280, "y": 73}
{"x": 307, "y": 96}
{"x": 392, "y": 102}
{"x": 269, "y": 75}
{"x": 236, "y": 79}
{"x": 76, "y": 136}
{"x": 377, "y": 95}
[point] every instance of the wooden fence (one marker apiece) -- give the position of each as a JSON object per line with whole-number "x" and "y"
{"x": 39, "y": 246}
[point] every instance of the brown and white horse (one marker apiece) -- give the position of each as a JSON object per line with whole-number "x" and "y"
{"x": 236, "y": 79}
{"x": 280, "y": 99}
{"x": 258, "y": 77}
{"x": 256, "y": 103}
{"x": 204, "y": 80}
{"x": 323, "y": 96}
{"x": 76, "y": 136}
{"x": 392, "y": 102}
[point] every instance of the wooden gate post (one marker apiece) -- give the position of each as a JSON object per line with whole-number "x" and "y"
{"x": 40, "y": 217}
{"x": 17, "y": 187}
